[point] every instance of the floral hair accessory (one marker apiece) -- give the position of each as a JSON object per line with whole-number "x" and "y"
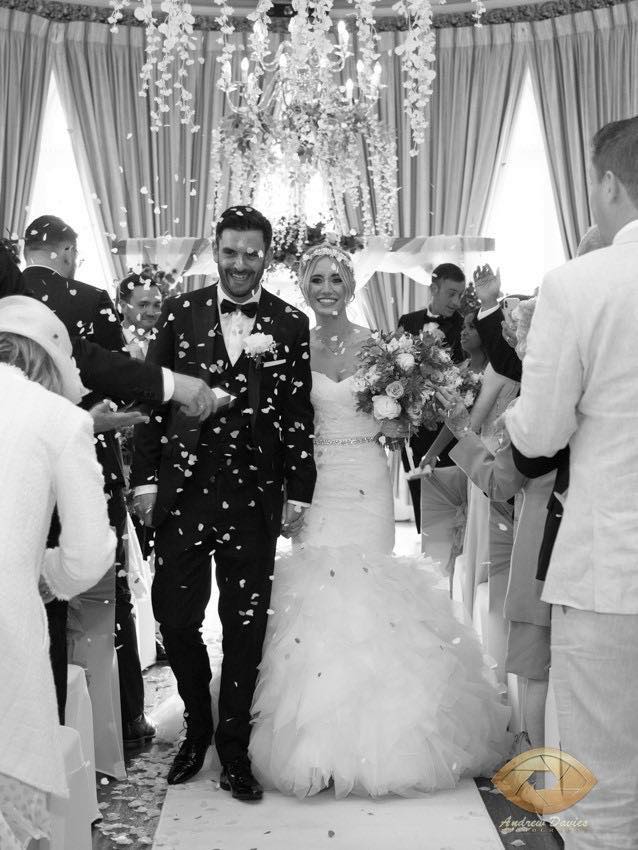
{"x": 324, "y": 250}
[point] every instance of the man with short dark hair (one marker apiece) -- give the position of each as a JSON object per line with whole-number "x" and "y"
{"x": 50, "y": 249}
{"x": 140, "y": 301}
{"x": 447, "y": 287}
{"x": 580, "y": 387}
{"x": 220, "y": 490}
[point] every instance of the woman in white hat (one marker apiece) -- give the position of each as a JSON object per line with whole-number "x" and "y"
{"x": 47, "y": 457}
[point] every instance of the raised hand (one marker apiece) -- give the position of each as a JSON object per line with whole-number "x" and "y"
{"x": 457, "y": 417}
{"x": 106, "y": 418}
{"x": 509, "y": 335}
{"x": 488, "y": 285}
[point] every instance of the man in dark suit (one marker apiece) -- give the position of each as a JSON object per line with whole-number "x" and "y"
{"x": 87, "y": 312}
{"x": 447, "y": 287}
{"x": 219, "y": 490}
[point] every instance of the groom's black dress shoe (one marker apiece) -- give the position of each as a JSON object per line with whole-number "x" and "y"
{"x": 238, "y": 778}
{"x": 188, "y": 761}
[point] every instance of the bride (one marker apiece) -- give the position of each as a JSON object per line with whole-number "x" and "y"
{"x": 368, "y": 681}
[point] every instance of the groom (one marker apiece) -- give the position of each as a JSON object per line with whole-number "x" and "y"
{"x": 218, "y": 489}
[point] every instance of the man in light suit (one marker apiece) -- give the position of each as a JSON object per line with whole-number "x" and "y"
{"x": 580, "y": 386}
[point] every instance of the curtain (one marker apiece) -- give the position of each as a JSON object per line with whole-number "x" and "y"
{"x": 25, "y": 69}
{"x": 143, "y": 184}
{"x": 447, "y": 188}
{"x": 584, "y": 70}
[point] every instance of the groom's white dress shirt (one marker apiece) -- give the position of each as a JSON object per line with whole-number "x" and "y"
{"x": 580, "y": 386}
{"x": 236, "y": 326}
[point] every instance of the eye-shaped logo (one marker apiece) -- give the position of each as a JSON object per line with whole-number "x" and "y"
{"x": 573, "y": 780}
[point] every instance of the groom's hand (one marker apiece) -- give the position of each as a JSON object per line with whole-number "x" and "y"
{"x": 293, "y": 519}
{"x": 194, "y": 396}
{"x": 143, "y": 505}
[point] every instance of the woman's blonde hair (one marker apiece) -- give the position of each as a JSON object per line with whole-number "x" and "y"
{"x": 342, "y": 261}
{"x": 29, "y": 356}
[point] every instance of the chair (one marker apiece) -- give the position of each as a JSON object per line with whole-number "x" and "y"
{"x": 79, "y": 716}
{"x": 71, "y": 818}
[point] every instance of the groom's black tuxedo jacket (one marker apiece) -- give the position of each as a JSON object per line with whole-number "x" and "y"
{"x": 451, "y": 326}
{"x": 89, "y": 316}
{"x": 270, "y": 428}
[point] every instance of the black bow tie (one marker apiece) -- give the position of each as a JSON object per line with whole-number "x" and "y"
{"x": 249, "y": 309}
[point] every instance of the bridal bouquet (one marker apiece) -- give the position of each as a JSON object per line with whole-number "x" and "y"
{"x": 400, "y": 375}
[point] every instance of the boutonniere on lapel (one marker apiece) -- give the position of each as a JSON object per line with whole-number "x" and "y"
{"x": 259, "y": 345}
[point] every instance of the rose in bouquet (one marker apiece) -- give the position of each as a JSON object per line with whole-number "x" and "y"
{"x": 400, "y": 374}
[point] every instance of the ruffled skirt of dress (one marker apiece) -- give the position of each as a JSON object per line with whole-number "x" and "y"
{"x": 369, "y": 680}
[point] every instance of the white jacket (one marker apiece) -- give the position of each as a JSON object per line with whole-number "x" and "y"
{"x": 47, "y": 456}
{"x": 580, "y": 386}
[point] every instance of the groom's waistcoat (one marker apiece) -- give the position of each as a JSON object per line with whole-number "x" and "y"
{"x": 227, "y": 439}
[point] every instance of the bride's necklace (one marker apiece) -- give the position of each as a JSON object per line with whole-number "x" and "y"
{"x": 335, "y": 345}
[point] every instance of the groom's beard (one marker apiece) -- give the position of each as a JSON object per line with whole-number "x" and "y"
{"x": 240, "y": 289}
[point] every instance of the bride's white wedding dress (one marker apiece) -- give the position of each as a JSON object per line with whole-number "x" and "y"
{"x": 367, "y": 679}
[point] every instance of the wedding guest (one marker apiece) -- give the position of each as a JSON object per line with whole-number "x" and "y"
{"x": 444, "y": 495}
{"x": 50, "y": 250}
{"x": 140, "y": 302}
{"x": 447, "y": 287}
{"x": 47, "y": 457}
{"x": 535, "y": 467}
{"x": 579, "y": 387}
{"x": 477, "y": 363}
{"x": 490, "y": 321}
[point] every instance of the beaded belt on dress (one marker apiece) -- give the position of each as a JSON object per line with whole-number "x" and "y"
{"x": 345, "y": 441}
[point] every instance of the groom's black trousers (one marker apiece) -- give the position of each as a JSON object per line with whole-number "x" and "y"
{"x": 235, "y": 533}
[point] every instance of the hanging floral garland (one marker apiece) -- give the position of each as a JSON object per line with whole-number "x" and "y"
{"x": 169, "y": 48}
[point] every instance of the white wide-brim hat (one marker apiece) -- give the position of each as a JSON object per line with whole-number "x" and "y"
{"x": 32, "y": 319}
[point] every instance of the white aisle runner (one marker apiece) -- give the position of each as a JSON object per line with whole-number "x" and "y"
{"x": 200, "y": 816}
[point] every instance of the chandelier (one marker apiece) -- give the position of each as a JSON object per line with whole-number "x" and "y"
{"x": 309, "y": 109}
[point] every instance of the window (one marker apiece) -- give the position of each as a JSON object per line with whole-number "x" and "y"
{"x": 58, "y": 191}
{"x": 522, "y": 217}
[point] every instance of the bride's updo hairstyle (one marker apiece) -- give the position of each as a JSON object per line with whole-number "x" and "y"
{"x": 342, "y": 266}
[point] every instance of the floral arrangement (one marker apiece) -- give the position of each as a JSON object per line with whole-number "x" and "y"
{"x": 169, "y": 46}
{"x": 469, "y": 384}
{"x": 400, "y": 374}
{"x": 292, "y": 236}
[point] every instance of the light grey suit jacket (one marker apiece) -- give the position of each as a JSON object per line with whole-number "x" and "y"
{"x": 580, "y": 386}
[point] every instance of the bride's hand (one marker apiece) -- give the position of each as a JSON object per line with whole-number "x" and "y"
{"x": 394, "y": 429}
{"x": 393, "y": 433}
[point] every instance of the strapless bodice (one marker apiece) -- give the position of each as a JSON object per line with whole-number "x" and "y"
{"x": 336, "y": 416}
